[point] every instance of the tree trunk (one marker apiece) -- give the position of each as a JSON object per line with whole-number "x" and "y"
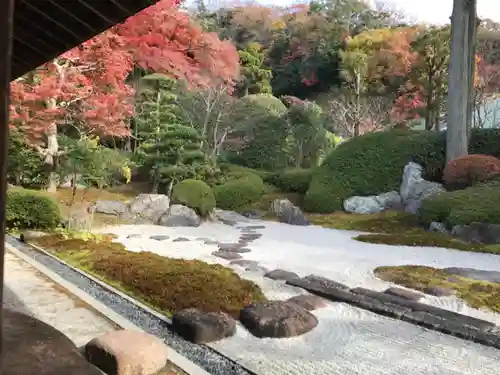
{"x": 458, "y": 87}
{"x": 51, "y": 156}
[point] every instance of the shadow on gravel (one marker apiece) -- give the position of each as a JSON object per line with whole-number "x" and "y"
{"x": 11, "y": 301}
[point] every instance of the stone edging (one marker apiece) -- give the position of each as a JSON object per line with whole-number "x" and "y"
{"x": 427, "y": 316}
{"x": 174, "y": 357}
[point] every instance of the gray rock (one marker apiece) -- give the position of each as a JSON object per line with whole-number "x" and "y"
{"x": 439, "y": 291}
{"x": 287, "y": 213}
{"x": 254, "y": 214}
{"x": 244, "y": 263}
{"x": 30, "y": 235}
{"x": 414, "y": 189}
{"x": 277, "y": 319}
{"x": 438, "y": 227}
{"x": 482, "y": 233}
{"x": 362, "y": 205}
{"x": 32, "y": 347}
{"x": 211, "y": 242}
{"x": 308, "y": 301}
{"x": 279, "y": 274}
{"x": 181, "y": 239}
{"x": 199, "y": 327}
{"x": 475, "y": 274}
{"x": 127, "y": 352}
{"x": 159, "y": 237}
{"x": 149, "y": 207}
{"x": 107, "y": 207}
{"x": 179, "y": 216}
{"x": 404, "y": 293}
{"x": 228, "y": 255}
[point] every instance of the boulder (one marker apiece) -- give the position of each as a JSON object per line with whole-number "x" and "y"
{"x": 149, "y": 207}
{"x": 279, "y": 274}
{"x": 30, "y": 235}
{"x": 373, "y": 204}
{"x": 32, "y": 347}
{"x": 127, "y": 352}
{"x": 277, "y": 319}
{"x": 438, "y": 227}
{"x": 179, "y": 216}
{"x": 227, "y": 255}
{"x": 308, "y": 301}
{"x": 199, "y": 327}
{"x": 414, "y": 189}
{"x": 108, "y": 207}
{"x": 482, "y": 233}
{"x": 288, "y": 213}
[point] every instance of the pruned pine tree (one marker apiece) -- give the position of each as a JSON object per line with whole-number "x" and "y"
{"x": 170, "y": 149}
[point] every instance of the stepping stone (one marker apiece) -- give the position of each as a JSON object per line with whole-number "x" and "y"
{"x": 277, "y": 319}
{"x": 257, "y": 269}
{"x": 134, "y": 236}
{"x": 244, "y": 263}
{"x": 308, "y": 301}
{"x": 228, "y": 255}
{"x": 250, "y": 236}
{"x": 255, "y": 227}
{"x": 159, "y": 237}
{"x": 279, "y": 274}
{"x": 404, "y": 293}
{"x": 211, "y": 242}
{"x": 230, "y": 246}
{"x": 203, "y": 239}
{"x": 317, "y": 283}
{"x": 199, "y": 327}
{"x": 439, "y": 291}
{"x": 181, "y": 239}
{"x": 248, "y": 231}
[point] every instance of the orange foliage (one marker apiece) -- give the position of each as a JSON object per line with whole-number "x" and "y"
{"x": 468, "y": 170}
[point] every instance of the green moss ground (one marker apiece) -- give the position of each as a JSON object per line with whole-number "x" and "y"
{"x": 477, "y": 294}
{"x": 166, "y": 284}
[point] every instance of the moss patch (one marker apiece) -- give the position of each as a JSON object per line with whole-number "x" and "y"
{"x": 419, "y": 237}
{"x": 384, "y": 222}
{"x": 478, "y": 294}
{"x": 166, "y": 284}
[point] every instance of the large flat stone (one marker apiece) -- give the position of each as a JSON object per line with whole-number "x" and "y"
{"x": 416, "y": 306}
{"x": 32, "y": 347}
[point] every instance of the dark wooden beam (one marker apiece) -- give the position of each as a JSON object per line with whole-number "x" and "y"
{"x": 6, "y": 41}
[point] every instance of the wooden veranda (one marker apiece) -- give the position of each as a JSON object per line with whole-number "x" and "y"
{"x": 33, "y": 32}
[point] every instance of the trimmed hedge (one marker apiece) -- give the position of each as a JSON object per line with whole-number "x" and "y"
{"x": 479, "y": 203}
{"x": 293, "y": 180}
{"x": 374, "y": 163}
{"x": 469, "y": 170}
{"x": 30, "y": 209}
{"x": 242, "y": 188}
{"x": 194, "y": 194}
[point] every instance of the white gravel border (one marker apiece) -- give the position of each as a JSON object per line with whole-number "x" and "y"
{"x": 347, "y": 340}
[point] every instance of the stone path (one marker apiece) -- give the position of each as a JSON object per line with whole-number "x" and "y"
{"x": 30, "y": 292}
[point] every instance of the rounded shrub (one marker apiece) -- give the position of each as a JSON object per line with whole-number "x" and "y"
{"x": 31, "y": 209}
{"x": 240, "y": 190}
{"x": 370, "y": 165}
{"x": 468, "y": 170}
{"x": 293, "y": 180}
{"x": 194, "y": 194}
{"x": 479, "y": 203}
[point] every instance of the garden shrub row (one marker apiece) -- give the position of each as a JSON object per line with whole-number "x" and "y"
{"x": 30, "y": 209}
{"x": 478, "y": 203}
{"x": 373, "y": 164}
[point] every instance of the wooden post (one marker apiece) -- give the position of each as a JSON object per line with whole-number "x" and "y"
{"x": 6, "y": 37}
{"x": 460, "y": 81}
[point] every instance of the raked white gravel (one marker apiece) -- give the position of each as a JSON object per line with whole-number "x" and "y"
{"x": 347, "y": 340}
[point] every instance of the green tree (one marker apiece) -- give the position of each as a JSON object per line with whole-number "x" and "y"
{"x": 170, "y": 149}
{"x": 255, "y": 78}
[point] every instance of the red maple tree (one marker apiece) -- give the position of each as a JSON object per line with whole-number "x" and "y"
{"x": 86, "y": 87}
